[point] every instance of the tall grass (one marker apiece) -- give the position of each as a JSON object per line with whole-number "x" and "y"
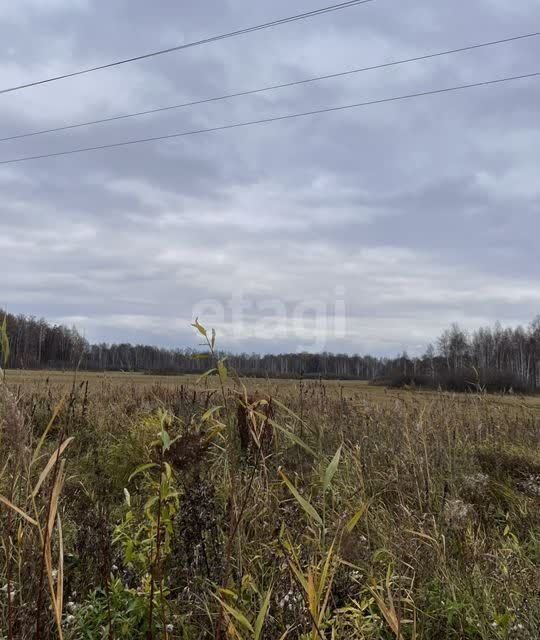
{"x": 301, "y": 511}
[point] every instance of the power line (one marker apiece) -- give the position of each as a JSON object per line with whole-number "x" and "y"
{"x": 271, "y": 87}
{"x": 288, "y": 116}
{"x": 188, "y": 45}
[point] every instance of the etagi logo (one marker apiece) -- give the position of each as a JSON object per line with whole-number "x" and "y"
{"x": 309, "y": 324}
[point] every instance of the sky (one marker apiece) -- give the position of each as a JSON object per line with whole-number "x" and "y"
{"x": 366, "y": 230}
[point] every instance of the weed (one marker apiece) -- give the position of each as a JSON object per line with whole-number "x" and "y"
{"x": 254, "y": 510}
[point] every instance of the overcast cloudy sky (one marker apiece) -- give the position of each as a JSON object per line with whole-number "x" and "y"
{"x": 393, "y": 220}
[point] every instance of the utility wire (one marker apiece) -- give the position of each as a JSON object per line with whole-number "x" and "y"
{"x": 270, "y": 87}
{"x": 288, "y": 116}
{"x": 188, "y": 45}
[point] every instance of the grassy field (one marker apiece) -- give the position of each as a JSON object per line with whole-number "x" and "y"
{"x": 138, "y": 506}
{"x": 350, "y": 390}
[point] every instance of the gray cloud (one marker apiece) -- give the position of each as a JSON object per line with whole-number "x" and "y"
{"x": 413, "y": 214}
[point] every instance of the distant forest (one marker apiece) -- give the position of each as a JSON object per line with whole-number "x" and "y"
{"x": 493, "y": 358}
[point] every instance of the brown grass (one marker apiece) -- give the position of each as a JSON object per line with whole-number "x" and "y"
{"x": 367, "y": 513}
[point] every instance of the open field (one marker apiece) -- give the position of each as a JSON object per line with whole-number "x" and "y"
{"x": 141, "y": 506}
{"x": 350, "y": 390}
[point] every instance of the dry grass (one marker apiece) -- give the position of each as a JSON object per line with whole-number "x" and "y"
{"x": 368, "y": 514}
{"x": 353, "y": 390}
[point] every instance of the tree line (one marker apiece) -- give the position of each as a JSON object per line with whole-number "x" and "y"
{"x": 497, "y": 356}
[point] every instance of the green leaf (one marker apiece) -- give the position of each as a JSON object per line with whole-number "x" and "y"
{"x": 290, "y": 435}
{"x": 150, "y": 503}
{"x": 356, "y": 518}
{"x": 165, "y": 439}
{"x": 291, "y": 413}
{"x": 237, "y": 615}
{"x": 259, "y": 623}
{"x": 306, "y": 506}
{"x": 326, "y": 578}
{"x": 210, "y": 412}
{"x": 331, "y": 470}
{"x": 205, "y": 375}
{"x": 128, "y": 497}
{"x": 142, "y": 469}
